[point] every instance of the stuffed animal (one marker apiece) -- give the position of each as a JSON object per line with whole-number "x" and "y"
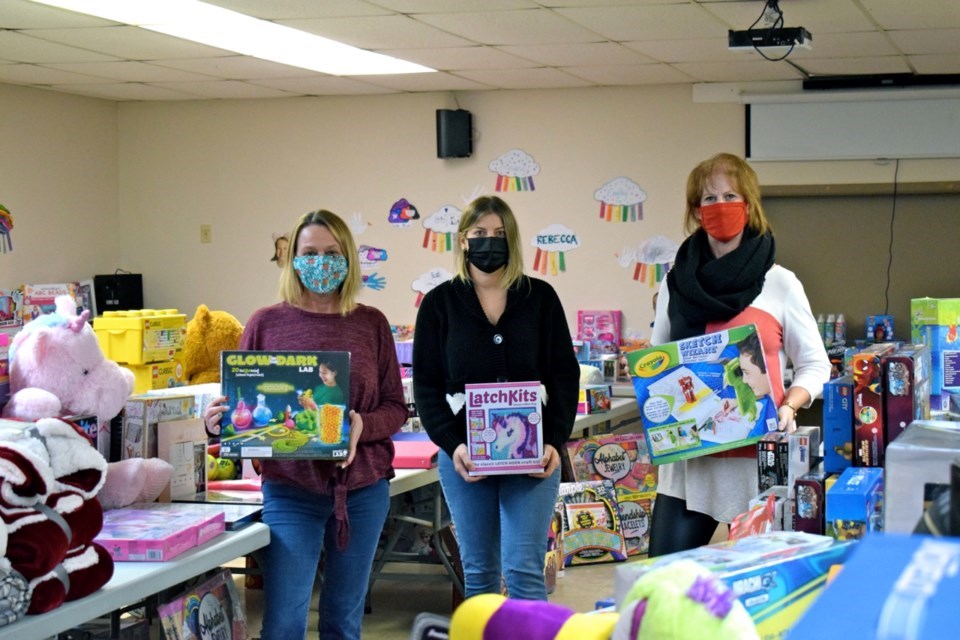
{"x": 493, "y": 617}
{"x": 208, "y": 333}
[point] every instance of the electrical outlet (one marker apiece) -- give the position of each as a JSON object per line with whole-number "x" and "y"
{"x": 205, "y": 234}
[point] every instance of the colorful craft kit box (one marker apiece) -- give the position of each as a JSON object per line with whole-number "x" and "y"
{"x": 907, "y": 388}
{"x": 892, "y": 586}
{"x": 932, "y": 311}
{"x": 855, "y": 503}
{"x": 869, "y": 437}
{"x": 601, "y": 329}
{"x": 504, "y": 427}
{"x": 594, "y": 398}
{"x": 702, "y": 395}
{"x": 776, "y": 575}
{"x": 285, "y": 404}
{"x": 944, "y": 341}
{"x": 133, "y": 534}
{"x": 880, "y": 328}
{"x": 623, "y": 460}
{"x": 592, "y": 531}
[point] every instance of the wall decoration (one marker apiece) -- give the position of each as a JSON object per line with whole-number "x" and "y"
{"x": 402, "y": 212}
{"x": 427, "y": 281}
{"x": 515, "y": 170}
{"x": 653, "y": 259}
{"x": 369, "y": 258}
{"x": 478, "y": 191}
{"x": 280, "y": 245}
{"x": 551, "y": 243}
{"x": 357, "y": 225}
{"x": 441, "y": 228}
{"x": 621, "y": 200}
{"x": 6, "y": 226}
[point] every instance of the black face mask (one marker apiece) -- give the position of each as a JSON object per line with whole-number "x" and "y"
{"x": 487, "y": 254}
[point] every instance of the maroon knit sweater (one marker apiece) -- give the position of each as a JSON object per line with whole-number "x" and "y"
{"x": 376, "y": 392}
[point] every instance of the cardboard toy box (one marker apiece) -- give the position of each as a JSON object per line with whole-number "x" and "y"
{"x": 783, "y": 457}
{"x": 918, "y": 462}
{"x": 810, "y": 490}
{"x": 141, "y": 336}
{"x": 591, "y": 523}
{"x": 944, "y": 341}
{"x": 133, "y": 534}
{"x": 157, "y": 375}
{"x": 285, "y": 404}
{"x": 776, "y": 575}
{"x": 622, "y": 459}
{"x": 594, "y": 398}
{"x": 693, "y": 398}
{"x": 855, "y": 503}
{"x": 932, "y": 311}
{"x": 183, "y": 443}
{"x": 142, "y": 414}
{"x": 907, "y": 388}
{"x": 880, "y": 328}
{"x": 869, "y": 437}
{"x": 601, "y": 329}
{"x": 505, "y": 427}
{"x": 838, "y": 424}
{"x": 892, "y": 586}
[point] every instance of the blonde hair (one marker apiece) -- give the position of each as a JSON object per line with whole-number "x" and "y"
{"x": 471, "y": 216}
{"x": 744, "y": 181}
{"x": 292, "y": 290}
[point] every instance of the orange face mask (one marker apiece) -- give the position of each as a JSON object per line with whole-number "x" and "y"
{"x": 723, "y": 220}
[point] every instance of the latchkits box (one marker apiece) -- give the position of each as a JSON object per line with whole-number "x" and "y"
{"x": 702, "y": 395}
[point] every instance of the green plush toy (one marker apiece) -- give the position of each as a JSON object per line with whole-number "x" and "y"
{"x": 683, "y": 601}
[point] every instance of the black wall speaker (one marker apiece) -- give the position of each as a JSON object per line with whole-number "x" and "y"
{"x": 454, "y": 133}
{"x": 118, "y": 292}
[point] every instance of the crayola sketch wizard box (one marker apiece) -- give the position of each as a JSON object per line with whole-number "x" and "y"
{"x": 285, "y": 404}
{"x": 504, "y": 427}
{"x": 702, "y": 395}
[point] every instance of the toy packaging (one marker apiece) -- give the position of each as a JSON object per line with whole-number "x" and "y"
{"x": 918, "y": 462}
{"x": 212, "y": 609}
{"x": 285, "y": 404}
{"x": 944, "y": 341}
{"x": 892, "y": 586}
{"x": 141, "y": 336}
{"x": 157, "y": 375}
{"x": 594, "y": 398}
{"x": 591, "y": 523}
{"x": 907, "y": 384}
{"x": 11, "y": 309}
{"x": 132, "y": 534}
{"x": 581, "y": 348}
{"x": 775, "y": 575}
{"x": 183, "y": 443}
{"x": 142, "y": 414}
{"x": 932, "y": 311}
{"x": 702, "y": 395}
{"x": 782, "y": 457}
{"x": 779, "y": 495}
{"x": 880, "y": 328}
{"x": 855, "y": 503}
{"x": 601, "y": 329}
{"x": 838, "y": 424}
{"x": 39, "y": 299}
{"x": 810, "y": 490}
{"x": 504, "y": 427}
{"x": 869, "y": 437}
{"x": 623, "y": 460}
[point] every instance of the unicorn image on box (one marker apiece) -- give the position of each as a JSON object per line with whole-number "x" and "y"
{"x": 515, "y": 438}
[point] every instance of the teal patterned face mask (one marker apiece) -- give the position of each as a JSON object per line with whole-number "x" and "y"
{"x": 321, "y": 274}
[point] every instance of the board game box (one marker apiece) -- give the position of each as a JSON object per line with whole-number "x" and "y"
{"x": 212, "y": 609}
{"x": 285, "y": 404}
{"x": 504, "y": 427}
{"x": 704, "y": 394}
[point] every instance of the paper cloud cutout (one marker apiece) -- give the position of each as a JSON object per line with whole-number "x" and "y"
{"x": 517, "y": 163}
{"x": 556, "y": 237}
{"x": 446, "y": 219}
{"x": 620, "y": 191}
{"x": 427, "y": 281}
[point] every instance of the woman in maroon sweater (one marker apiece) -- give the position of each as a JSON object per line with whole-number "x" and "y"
{"x": 316, "y": 506}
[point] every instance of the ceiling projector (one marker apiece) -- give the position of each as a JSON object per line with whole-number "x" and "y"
{"x": 772, "y": 40}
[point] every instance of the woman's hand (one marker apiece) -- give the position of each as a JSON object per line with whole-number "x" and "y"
{"x": 786, "y": 419}
{"x": 463, "y": 464}
{"x": 356, "y": 428}
{"x": 211, "y": 415}
{"x": 550, "y": 462}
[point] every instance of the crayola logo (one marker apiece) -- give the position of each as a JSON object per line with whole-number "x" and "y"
{"x": 651, "y": 364}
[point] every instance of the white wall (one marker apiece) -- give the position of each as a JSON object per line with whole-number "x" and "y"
{"x": 250, "y": 168}
{"x": 58, "y": 177}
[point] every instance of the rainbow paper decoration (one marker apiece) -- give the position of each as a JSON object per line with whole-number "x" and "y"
{"x": 6, "y": 226}
{"x": 515, "y": 170}
{"x": 425, "y": 282}
{"x": 515, "y": 183}
{"x": 621, "y": 212}
{"x": 438, "y": 242}
{"x": 440, "y": 229}
{"x": 652, "y": 259}
{"x": 555, "y": 259}
{"x": 651, "y": 273}
{"x": 621, "y": 200}
{"x": 551, "y": 243}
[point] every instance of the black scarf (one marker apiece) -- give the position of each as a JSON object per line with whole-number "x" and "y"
{"x": 707, "y": 289}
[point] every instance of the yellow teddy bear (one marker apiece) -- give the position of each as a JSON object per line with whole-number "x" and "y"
{"x": 208, "y": 333}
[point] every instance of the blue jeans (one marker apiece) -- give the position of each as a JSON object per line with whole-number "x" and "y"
{"x": 301, "y": 526}
{"x": 501, "y": 524}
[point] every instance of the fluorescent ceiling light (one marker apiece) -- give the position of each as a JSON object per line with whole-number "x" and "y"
{"x": 225, "y": 29}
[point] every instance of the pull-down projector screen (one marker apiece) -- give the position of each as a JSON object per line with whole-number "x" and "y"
{"x": 922, "y": 128}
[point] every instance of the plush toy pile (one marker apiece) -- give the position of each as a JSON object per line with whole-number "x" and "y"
{"x": 50, "y": 474}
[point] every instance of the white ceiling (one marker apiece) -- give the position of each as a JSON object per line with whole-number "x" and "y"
{"x": 480, "y": 45}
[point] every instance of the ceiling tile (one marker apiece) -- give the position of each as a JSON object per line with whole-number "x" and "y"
{"x": 233, "y": 67}
{"x": 124, "y": 91}
{"x": 224, "y": 89}
{"x": 34, "y": 74}
{"x": 454, "y": 58}
{"x": 426, "y": 82}
{"x": 630, "y": 74}
{"x": 316, "y": 85}
{"x": 856, "y": 66}
{"x": 914, "y": 14}
{"x": 698, "y": 50}
{"x": 379, "y": 32}
{"x": 525, "y": 78}
{"x": 287, "y": 9}
{"x": 21, "y": 14}
{"x": 128, "y": 42}
{"x": 934, "y": 63}
{"x": 129, "y": 71}
{"x": 530, "y": 26}
{"x": 578, "y": 54}
{"x": 738, "y": 71}
{"x": 847, "y": 45}
{"x": 16, "y": 46}
{"x": 927, "y": 41}
{"x": 411, "y": 7}
{"x": 647, "y": 22}
{"x": 816, "y": 16}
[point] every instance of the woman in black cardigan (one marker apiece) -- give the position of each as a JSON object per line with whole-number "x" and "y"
{"x": 491, "y": 323}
